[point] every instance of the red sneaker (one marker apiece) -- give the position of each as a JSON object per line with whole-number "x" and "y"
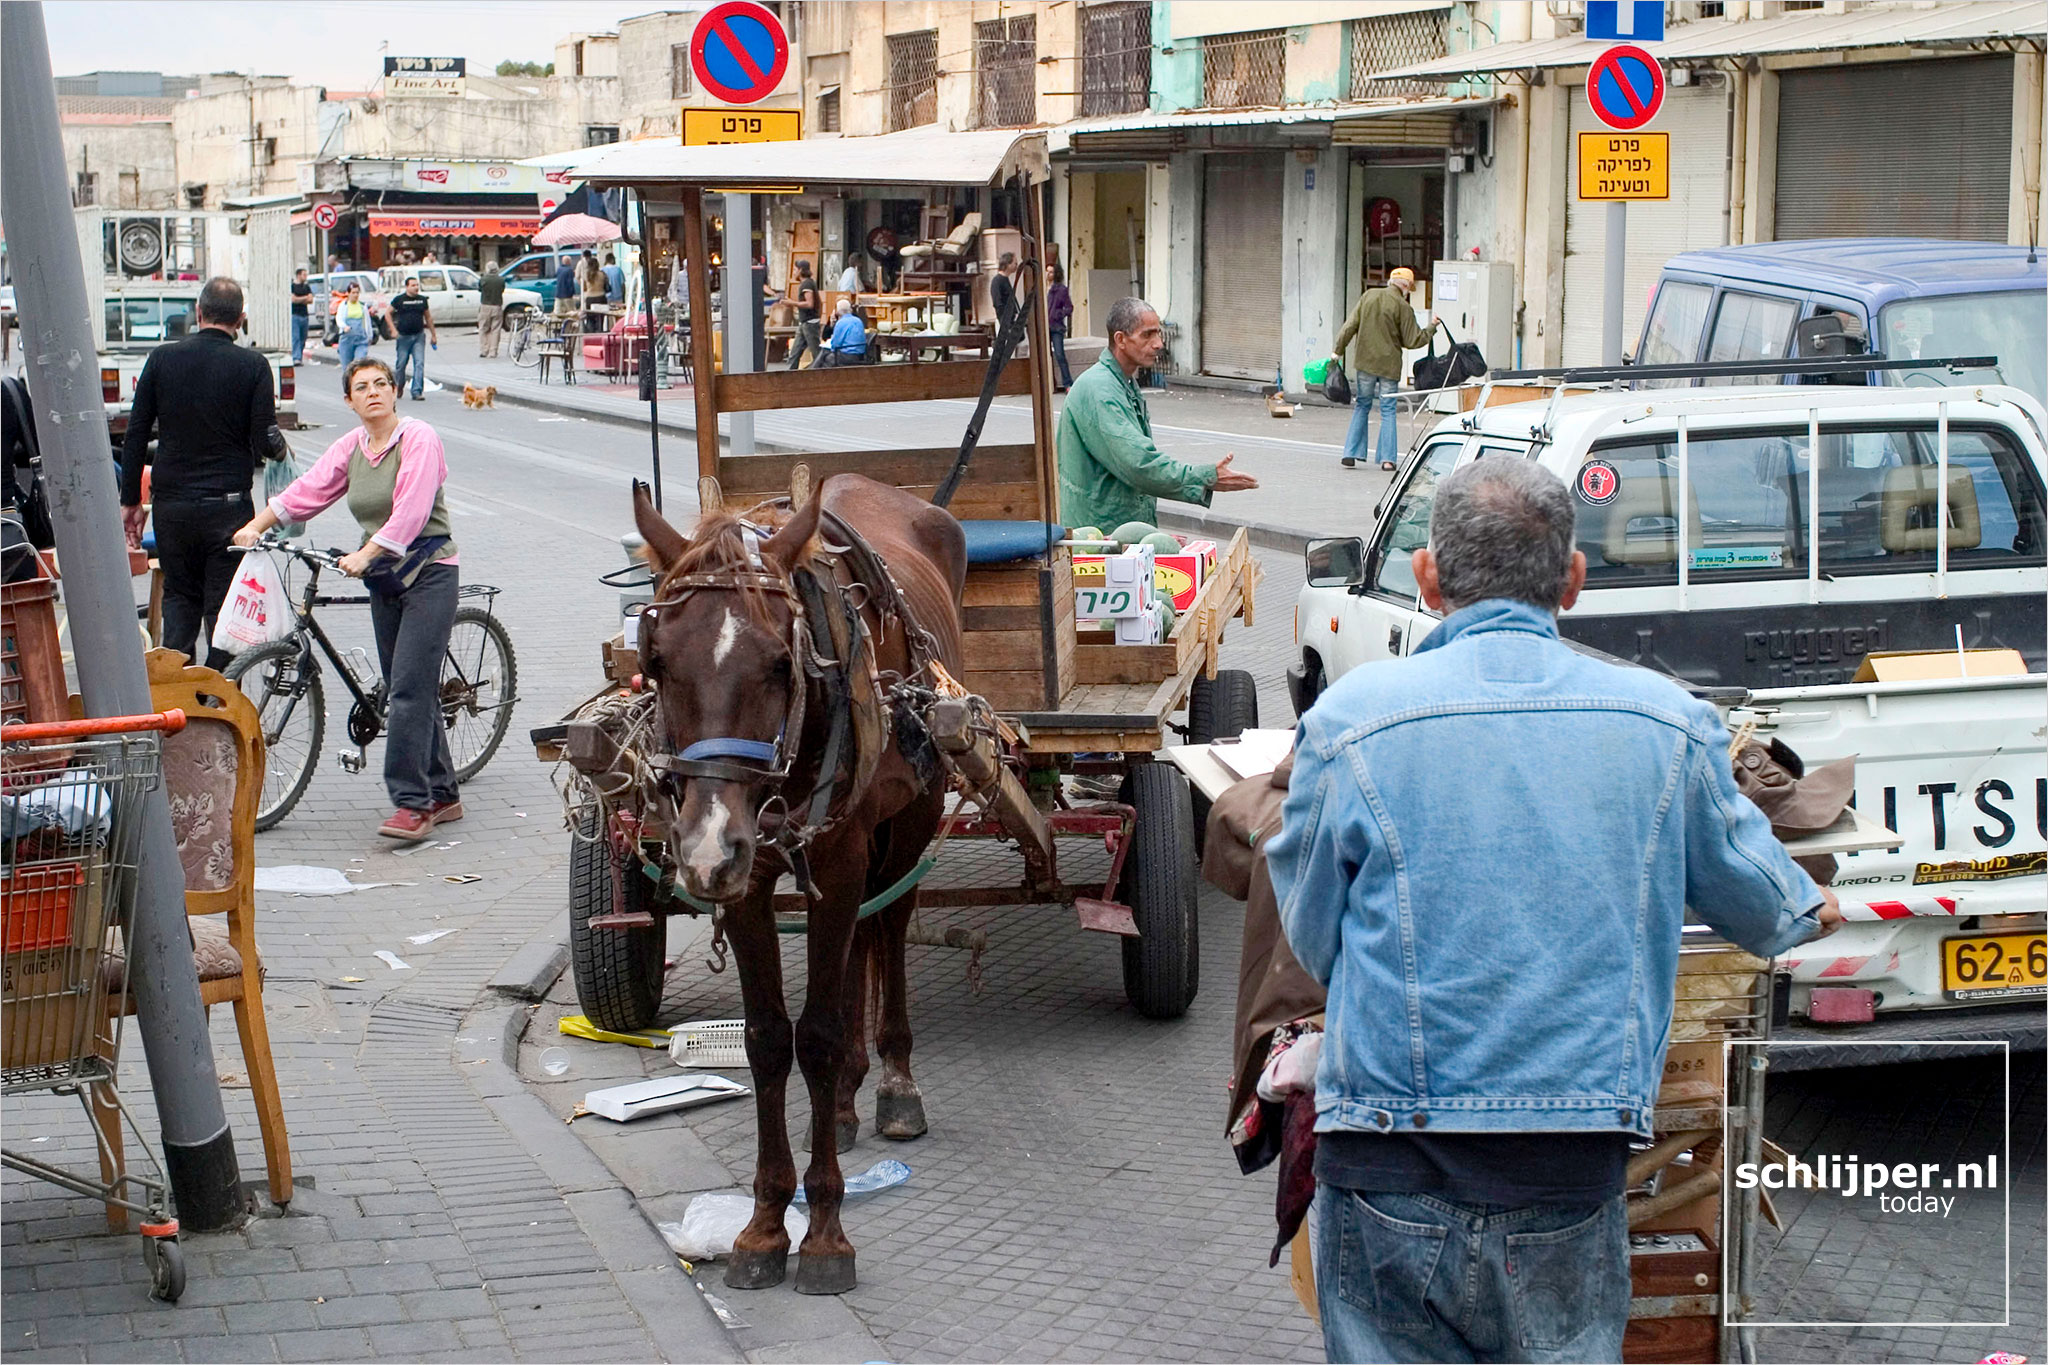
{"x": 410, "y": 825}
{"x": 445, "y": 812}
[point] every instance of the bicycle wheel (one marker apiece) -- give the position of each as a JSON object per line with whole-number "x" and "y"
{"x": 479, "y": 683}
{"x": 282, "y": 679}
{"x": 524, "y": 353}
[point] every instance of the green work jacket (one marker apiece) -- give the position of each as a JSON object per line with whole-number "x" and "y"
{"x": 1384, "y": 326}
{"x": 1110, "y": 471}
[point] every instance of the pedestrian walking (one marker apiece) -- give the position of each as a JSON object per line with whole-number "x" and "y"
{"x": 1059, "y": 312}
{"x": 210, "y": 406}
{"x": 1486, "y": 853}
{"x": 1002, "y": 290}
{"x": 302, "y": 314}
{"x": 807, "y": 316}
{"x": 849, "y": 278}
{"x": 353, "y": 324}
{"x": 614, "y": 279}
{"x": 767, "y": 294}
{"x": 1110, "y": 471}
{"x": 392, "y": 470}
{"x": 1384, "y": 325}
{"x": 412, "y": 322}
{"x": 849, "y": 343}
{"x": 490, "y": 313}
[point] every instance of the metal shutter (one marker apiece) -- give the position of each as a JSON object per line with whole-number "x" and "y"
{"x": 1241, "y": 265}
{"x": 1904, "y": 149}
{"x": 1693, "y": 217}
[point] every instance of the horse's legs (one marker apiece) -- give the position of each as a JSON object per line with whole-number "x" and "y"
{"x": 760, "y": 1255}
{"x": 853, "y": 1065}
{"x": 899, "y": 1105}
{"x": 826, "y": 1265}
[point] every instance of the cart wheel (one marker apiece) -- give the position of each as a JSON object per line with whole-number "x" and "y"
{"x": 1162, "y": 966}
{"x": 166, "y": 1262}
{"x": 1219, "y": 708}
{"x": 618, "y": 971}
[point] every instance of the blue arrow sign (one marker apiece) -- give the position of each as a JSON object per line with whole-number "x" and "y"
{"x": 1625, "y": 21}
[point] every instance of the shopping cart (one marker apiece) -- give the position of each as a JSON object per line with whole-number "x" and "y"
{"x": 71, "y": 796}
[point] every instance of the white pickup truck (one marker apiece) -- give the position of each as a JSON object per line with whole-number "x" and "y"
{"x": 139, "y": 318}
{"x": 1813, "y": 537}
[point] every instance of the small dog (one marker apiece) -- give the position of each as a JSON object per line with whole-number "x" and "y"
{"x": 485, "y": 396}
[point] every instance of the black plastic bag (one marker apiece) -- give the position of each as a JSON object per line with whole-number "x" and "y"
{"x": 1337, "y": 387}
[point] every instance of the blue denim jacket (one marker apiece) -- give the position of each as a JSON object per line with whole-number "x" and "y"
{"x": 1486, "y": 854}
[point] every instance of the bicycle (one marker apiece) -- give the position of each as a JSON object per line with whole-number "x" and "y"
{"x": 479, "y": 685}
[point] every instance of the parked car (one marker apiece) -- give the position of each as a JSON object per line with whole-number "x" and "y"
{"x": 1904, "y": 297}
{"x": 1792, "y": 572}
{"x": 535, "y": 272}
{"x": 329, "y": 290}
{"x": 453, "y": 292}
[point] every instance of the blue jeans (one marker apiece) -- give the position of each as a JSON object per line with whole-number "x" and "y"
{"x": 1414, "y": 1277}
{"x": 354, "y": 346}
{"x": 412, "y": 355}
{"x": 1059, "y": 357}
{"x": 1368, "y": 388}
{"x": 299, "y": 323}
{"x": 412, "y": 641}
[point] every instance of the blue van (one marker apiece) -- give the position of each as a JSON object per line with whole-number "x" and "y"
{"x": 1905, "y": 297}
{"x": 536, "y": 271}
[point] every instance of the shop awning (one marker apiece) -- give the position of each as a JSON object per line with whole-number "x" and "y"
{"x": 1357, "y": 121}
{"x": 455, "y": 224}
{"x": 2000, "y": 23}
{"x": 916, "y": 156}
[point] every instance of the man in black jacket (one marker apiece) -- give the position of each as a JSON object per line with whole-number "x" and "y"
{"x": 211, "y": 405}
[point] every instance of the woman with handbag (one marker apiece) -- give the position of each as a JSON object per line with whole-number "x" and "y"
{"x": 392, "y": 469}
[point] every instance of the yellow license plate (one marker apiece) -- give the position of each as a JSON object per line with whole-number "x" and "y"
{"x": 1992, "y": 966}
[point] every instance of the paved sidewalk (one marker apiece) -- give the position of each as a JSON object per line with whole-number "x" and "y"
{"x": 1303, "y": 491}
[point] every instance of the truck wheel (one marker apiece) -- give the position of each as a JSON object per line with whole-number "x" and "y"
{"x": 1162, "y": 966}
{"x": 1219, "y": 708}
{"x": 618, "y": 971}
{"x": 1305, "y": 683}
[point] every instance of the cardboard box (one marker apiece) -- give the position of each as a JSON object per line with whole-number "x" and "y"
{"x": 1898, "y": 666}
{"x": 1115, "y": 587}
{"x": 1178, "y": 577}
{"x": 1686, "y": 1064}
{"x": 43, "y": 1022}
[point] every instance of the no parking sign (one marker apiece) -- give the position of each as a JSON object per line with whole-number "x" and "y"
{"x": 739, "y": 52}
{"x": 1625, "y": 87}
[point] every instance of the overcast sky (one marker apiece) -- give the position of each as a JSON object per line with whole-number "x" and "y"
{"x": 336, "y": 43}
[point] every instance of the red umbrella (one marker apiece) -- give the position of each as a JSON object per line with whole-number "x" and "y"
{"x": 576, "y": 229}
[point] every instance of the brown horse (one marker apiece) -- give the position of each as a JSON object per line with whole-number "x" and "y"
{"x": 757, "y": 719}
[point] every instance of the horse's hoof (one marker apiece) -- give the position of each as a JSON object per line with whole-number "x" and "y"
{"x": 899, "y": 1117}
{"x": 824, "y": 1274}
{"x": 757, "y": 1269}
{"x": 849, "y": 1133}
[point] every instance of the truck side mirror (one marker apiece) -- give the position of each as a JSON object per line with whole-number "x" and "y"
{"x": 1338, "y": 562}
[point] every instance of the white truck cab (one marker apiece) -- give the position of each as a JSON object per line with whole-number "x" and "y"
{"x": 1814, "y": 533}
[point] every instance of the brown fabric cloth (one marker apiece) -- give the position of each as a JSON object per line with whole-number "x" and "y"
{"x": 1272, "y": 988}
{"x": 1795, "y": 801}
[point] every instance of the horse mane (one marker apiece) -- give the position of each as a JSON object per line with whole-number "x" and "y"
{"x": 718, "y": 543}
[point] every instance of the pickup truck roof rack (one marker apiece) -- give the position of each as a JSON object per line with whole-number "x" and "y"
{"x": 1740, "y": 369}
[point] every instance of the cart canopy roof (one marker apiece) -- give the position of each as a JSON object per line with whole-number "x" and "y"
{"x": 916, "y": 156}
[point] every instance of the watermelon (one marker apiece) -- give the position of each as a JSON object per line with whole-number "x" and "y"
{"x": 1132, "y": 532}
{"x": 1087, "y": 533}
{"x": 1162, "y": 543}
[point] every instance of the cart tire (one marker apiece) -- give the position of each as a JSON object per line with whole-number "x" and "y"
{"x": 166, "y": 1260}
{"x": 1221, "y": 707}
{"x": 282, "y": 680}
{"x": 618, "y": 971}
{"x": 1162, "y": 966}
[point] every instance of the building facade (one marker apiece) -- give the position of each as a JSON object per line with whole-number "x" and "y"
{"x": 120, "y": 150}
{"x": 656, "y": 79}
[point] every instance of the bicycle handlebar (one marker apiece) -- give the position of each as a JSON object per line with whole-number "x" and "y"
{"x": 329, "y": 559}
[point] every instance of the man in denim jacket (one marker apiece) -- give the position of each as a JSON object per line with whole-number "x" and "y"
{"x": 1486, "y": 855}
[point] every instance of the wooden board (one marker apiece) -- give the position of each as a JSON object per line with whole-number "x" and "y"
{"x": 843, "y": 384}
{"x": 764, "y": 476}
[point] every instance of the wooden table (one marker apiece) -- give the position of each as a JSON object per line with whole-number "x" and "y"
{"x": 912, "y": 343}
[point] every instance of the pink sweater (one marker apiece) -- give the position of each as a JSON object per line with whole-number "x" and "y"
{"x": 422, "y": 471}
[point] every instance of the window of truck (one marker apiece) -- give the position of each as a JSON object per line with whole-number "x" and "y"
{"x": 1408, "y": 528}
{"x": 1672, "y": 336}
{"x": 1752, "y": 327}
{"x": 132, "y": 319}
{"x": 1878, "y": 510}
{"x": 1738, "y": 512}
{"x": 531, "y": 268}
{"x": 433, "y": 282}
{"x": 2012, "y": 325}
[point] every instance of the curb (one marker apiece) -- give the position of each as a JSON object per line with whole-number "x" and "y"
{"x": 532, "y": 971}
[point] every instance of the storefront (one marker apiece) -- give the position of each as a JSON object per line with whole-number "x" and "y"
{"x": 450, "y": 236}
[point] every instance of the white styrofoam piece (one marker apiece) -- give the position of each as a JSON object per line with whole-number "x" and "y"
{"x": 623, "y": 1103}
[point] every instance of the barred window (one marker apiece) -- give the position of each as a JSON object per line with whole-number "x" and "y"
{"x": 679, "y": 71}
{"x": 1006, "y": 72}
{"x": 1392, "y": 41}
{"x": 913, "y": 79}
{"x": 828, "y": 111}
{"x": 1244, "y": 70}
{"x": 1116, "y": 58}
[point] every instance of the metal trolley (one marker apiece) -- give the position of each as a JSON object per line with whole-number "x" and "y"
{"x": 72, "y": 797}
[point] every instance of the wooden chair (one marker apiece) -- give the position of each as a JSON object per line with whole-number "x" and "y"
{"x": 213, "y": 772}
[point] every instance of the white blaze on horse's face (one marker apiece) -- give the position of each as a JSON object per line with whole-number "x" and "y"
{"x": 728, "y": 636}
{"x": 706, "y": 859}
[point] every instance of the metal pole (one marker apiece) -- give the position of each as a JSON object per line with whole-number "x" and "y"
{"x": 742, "y": 311}
{"x": 648, "y": 364}
{"x": 1617, "y": 275}
{"x": 199, "y": 1149}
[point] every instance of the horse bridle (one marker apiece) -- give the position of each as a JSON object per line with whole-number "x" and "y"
{"x": 710, "y": 758}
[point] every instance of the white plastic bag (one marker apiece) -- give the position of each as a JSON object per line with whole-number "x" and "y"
{"x": 712, "y": 1222}
{"x": 279, "y": 475}
{"x": 255, "y": 611}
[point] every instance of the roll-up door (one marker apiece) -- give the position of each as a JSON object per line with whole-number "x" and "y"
{"x": 1693, "y": 217}
{"x": 1241, "y": 265}
{"x": 1903, "y": 149}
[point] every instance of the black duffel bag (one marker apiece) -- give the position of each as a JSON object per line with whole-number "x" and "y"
{"x": 1456, "y": 365}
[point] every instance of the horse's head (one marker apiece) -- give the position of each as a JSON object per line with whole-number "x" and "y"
{"x": 717, "y": 645}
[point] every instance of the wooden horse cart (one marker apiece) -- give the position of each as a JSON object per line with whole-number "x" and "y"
{"x": 1072, "y": 703}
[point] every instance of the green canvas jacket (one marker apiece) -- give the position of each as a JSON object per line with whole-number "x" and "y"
{"x": 1110, "y": 471}
{"x": 1385, "y": 326}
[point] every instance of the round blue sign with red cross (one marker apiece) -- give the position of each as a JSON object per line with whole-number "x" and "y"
{"x": 1625, "y": 87}
{"x": 739, "y": 52}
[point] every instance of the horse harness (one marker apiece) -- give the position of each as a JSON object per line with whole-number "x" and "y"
{"x": 831, "y": 648}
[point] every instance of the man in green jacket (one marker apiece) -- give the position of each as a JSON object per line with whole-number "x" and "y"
{"x": 1384, "y": 326}
{"x": 1110, "y": 471}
